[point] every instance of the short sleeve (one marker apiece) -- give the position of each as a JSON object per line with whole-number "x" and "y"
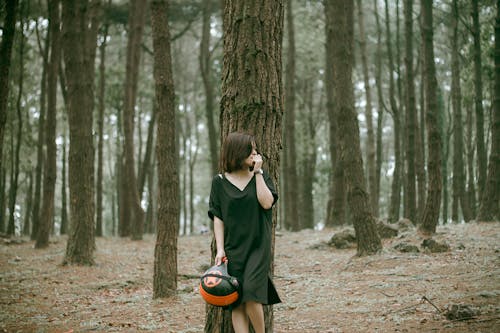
{"x": 214, "y": 207}
{"x": 270, "y": 185}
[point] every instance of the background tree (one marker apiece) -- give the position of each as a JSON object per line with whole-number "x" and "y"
{"x": 489, "y": 208}
{"x": 165, "y": 267}
{"x": 8, "y": 32}
{"x": 132, "y": 213}
{"x": 79, "y": 41}
{"x": 290, "y": 180}
{"x": 50, "y": 171}
{"x": 431, "y": 212}
{"x": 252, "y": 97}
{"x": 350, "y": 151}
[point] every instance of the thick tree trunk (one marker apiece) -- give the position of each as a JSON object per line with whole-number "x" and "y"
{"x": 79, "y": 45}
{"x": 50, "y": 171}
{"x": 165, "y": 266}
{"x": 8, "y": 32}
{"x": 489, "y": 209}
{"x": 350, "y": 150}
{"x": 133, "y": 212}
{"x": 208, "y": 85}
{"x": 252, "y": 99}
{"x": 431, "y": 213}
{"x": 482, "y": 158}
{"x": 370, "y": 136}
{"x": 289, "y": 148}
{"x": 459, "y": 194}
{"x": 336, "y": 208}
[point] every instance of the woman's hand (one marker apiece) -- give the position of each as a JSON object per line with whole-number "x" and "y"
{"x": 219, "y": 256}
{"x": 257, "y": 161}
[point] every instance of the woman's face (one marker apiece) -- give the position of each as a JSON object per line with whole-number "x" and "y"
{"x": 249, "y": 161}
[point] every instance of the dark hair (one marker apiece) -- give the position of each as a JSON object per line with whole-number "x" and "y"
{"x": 237, "y": 147}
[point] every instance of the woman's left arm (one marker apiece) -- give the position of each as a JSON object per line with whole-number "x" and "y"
{"x": 264, "y": 194}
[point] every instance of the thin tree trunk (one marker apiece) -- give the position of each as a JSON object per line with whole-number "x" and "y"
{"x": 79, "y": 46}
{"x": 133, "y": 211}
{"x": 8, "y": 33}
{"x": 100, "y": 131}
{"x": 208, "y": 85}
{"x": 290, "y": 179}
{"x": 64, "y": 197}
{"x": 431, "y": 213}
{"x": 395, "y": 203}
{"x": 15, "y": 151}
{"x": 359, "y": 203}
{"x": 489, "y": 210}
{"x": 459, "y": 194}
{"x": 482, "y": 158}
{"x": 370, "y": 136}
{"x": 471, "y": 187}
{"x": 50, "y": 171}
{"x": 165, "y": 267}
{"x": 380, "y": 97}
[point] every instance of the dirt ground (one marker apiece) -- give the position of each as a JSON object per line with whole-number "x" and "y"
{"x": 323, "y": 289}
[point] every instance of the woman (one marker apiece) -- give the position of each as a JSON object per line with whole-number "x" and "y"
{"x": 240, "y": 205}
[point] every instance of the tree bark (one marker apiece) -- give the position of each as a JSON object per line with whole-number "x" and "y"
{"x": 431, "y": 212}
{"x": 50, "y": 171}
{"x": 64, "y": 199}
{"x": 336, "y": 208}
{"x": 133, "y": 211}
{"x": 165, "y": 266}
{"x": 8, "y": 33}
{"x": 79, "y": 38}
{"x": 489, "y": 209}
{"x": 367, "y": 237}
{"x": 370, "y": 136}
{"x": 459, "y": 194}
{"x": 252, "y": 99}
{"x": 394, "y": 209}
{"x": 290, "y": 180}
{"x": 482, "y": 158}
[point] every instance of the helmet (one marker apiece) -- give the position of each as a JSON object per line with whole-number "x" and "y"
{"x": 217, "y": 287}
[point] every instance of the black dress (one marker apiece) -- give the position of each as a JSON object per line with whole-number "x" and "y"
{"x": 247, "y": 236}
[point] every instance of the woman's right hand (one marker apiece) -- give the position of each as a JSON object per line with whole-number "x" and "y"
{"x": 219, "y": 257}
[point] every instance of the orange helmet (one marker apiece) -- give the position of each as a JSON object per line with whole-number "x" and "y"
{"x": 217, "y": 287}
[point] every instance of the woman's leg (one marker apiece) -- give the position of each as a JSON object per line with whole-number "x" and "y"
{"x": 255, "y": 312}
{"x": 240, "y": 319}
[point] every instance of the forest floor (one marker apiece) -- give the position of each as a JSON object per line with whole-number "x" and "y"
{"x": 323, "y": 289}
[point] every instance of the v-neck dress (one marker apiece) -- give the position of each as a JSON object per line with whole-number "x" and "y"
{"x": 247, "y": 236}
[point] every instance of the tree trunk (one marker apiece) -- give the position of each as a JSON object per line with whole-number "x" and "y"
{"x": 370, "y": 136}
{"x": 165, "y": 267}
{"x": 208, "y": 85}
{"x": 133, "y": 211}
{"x": 79, "y": 46}
{"x": 290, "y": 179}
{"x": 459, "y": 194}
{"x": 252, "y": 98}
{"x": 64, "y": 200}
{"x": 394, "y": 209}
{"x": 380, "y": 97}
{"x": 336, "y": 209}
{"x": 489, "y": 210}
{"x": 8, "y": 32}
{"x": 50, "y": 171}
{"x": 471, "y": 187}
{"x": 100, "y": 131}
{"x": 350, "y": 150}
{"x": 431, "y": 212}
{"x": 478, "y": 100}
{"x": 15, "y": 151}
